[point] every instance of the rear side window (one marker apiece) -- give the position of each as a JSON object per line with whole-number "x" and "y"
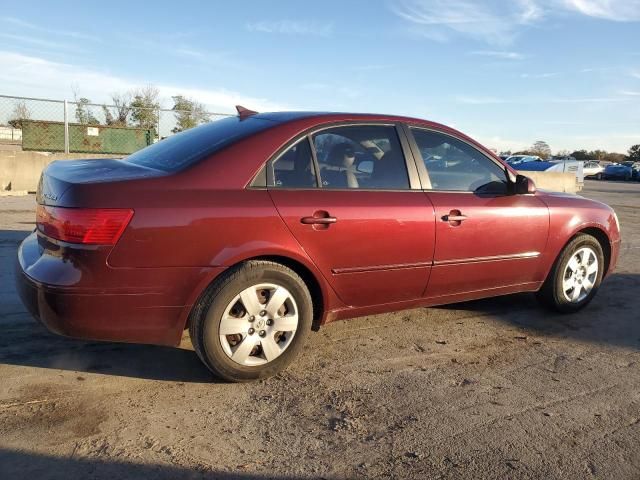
{"x": 453, "y": 165}
{"x": 294, "y": 168}
{"x": 362, "y": 156}
{"x": 189, "y": 147}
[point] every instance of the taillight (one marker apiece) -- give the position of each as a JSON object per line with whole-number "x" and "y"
{"x": 95, "y": 226}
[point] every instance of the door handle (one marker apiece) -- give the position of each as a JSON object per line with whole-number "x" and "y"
{"x": 455, "y": 217}
{"x": 318, "y": 220}
{"x": 320, "y": 217}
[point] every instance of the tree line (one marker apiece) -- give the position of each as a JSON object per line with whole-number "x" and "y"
{"x": 541, "y": 149}
{"x": 134, "y": 108}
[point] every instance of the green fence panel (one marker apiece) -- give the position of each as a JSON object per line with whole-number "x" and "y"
{"x": 48, "y": 136}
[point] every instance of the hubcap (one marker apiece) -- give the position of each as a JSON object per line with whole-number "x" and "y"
{"x": 266, "y": 309}
{"x": 580, "y": 275}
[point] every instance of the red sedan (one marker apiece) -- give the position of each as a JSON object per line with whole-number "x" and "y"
{"x": 253, "y": 230}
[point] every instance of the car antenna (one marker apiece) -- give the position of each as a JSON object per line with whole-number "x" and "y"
{"x": 244, "y": 112}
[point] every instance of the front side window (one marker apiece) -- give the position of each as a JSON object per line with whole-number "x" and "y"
{"x": 294, "y": 168}
{"x": 362, "y": 156}
{"x": 453, "y": 165}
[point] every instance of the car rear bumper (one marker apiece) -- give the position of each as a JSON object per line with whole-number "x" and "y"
{"x": 113, "y": 304}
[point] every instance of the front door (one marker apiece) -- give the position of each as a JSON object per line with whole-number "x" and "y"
{"x": 356, "y": 214}
{"x": 486, "y": 238}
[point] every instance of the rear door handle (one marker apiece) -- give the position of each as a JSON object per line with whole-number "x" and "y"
{"x": 454, "y": 218}
{"x": 319, "y": 217}
{"x": 318, "y": 220}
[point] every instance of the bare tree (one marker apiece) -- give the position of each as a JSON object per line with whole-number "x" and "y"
{"x": 122, "y": 106}
{"x": 20, "y": 113}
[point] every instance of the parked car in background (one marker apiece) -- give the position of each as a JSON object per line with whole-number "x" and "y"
{"x": 617, "y": 171}
{"x": 592, "y": 169}
{"x": 635, "y": 169}
{"x": 252, "y": 230}
{"x": 565, "y": 166}
{"x": 518, "y": 159}
{"x": 562, "y": 158}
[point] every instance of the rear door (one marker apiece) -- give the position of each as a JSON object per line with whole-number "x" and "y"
{"x": 352, "y": 199}
{"x": 486, "y": 237}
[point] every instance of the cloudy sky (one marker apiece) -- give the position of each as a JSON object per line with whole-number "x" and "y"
{"x": 506, "y": 72}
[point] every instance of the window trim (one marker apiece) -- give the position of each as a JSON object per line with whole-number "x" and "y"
{"x": 278, "y": 156}
{"x": 422, "y": 169}
{"x": 410, "y": 161}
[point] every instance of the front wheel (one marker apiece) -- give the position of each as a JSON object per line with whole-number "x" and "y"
{"x": 252, "y": 321}
{"x": 575, "y": 276}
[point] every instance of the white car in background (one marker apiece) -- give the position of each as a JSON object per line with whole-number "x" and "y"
{"x": 592, "y": 168}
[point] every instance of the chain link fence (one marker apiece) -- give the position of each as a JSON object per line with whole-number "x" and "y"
{"x": 45, "y": 125}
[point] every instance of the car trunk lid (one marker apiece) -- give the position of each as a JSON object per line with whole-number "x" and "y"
{"x": 62, "y": 175}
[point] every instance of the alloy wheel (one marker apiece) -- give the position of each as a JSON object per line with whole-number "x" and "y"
{"x": 580, "y": 275}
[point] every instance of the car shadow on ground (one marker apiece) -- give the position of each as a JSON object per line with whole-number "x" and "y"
{"x": 15, "y": 464}
{"x": 30, "y": 344}
{"x": 611, "y": 318}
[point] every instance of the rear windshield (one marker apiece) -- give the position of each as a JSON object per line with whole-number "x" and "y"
{"x": 186, "y": 148}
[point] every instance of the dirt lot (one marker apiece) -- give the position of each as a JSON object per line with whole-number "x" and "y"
{"x": 495, "y": 389}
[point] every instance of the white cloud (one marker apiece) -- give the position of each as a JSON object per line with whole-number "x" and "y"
{"x": 38, "y": 42}
{"x": 630, "y": 93}
{"x": 491, "y": 100}
{"x": 291, "y": 27}
{"x": 498, "y": 54}
{"x": 493, "y": 22}
{"x": 24, "y": 75}
{"x": 499, "y": 22}
{"x": 16, "y": 22}
{"x": 618, "y": 10}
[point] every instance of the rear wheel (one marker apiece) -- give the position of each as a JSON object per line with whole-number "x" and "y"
{"x": 575, "y": 276}
{"x": 252, "y": 321}
{"x": 599, "y": 176}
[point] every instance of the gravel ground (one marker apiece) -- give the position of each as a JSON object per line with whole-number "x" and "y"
{"x": 495, "y": 388}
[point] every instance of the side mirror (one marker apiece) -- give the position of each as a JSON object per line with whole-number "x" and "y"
{"x": 524, "y": 185}
{"x": 365, "y": 166}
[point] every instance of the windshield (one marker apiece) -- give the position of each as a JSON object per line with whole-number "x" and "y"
{"x": 189, "y": 147}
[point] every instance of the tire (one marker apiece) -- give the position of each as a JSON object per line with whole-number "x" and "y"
{"x": 556, "y": 292}
{"x": 252, "y": 281}
{"x": 599, "y": 176}
{"x": 627, "y": 178}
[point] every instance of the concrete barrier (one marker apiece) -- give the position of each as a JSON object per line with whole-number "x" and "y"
{"x": 554, "y": 181}
{"x": 20, "y": 171}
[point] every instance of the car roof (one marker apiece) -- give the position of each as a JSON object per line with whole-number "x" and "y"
{"x": 285, "y": 117}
